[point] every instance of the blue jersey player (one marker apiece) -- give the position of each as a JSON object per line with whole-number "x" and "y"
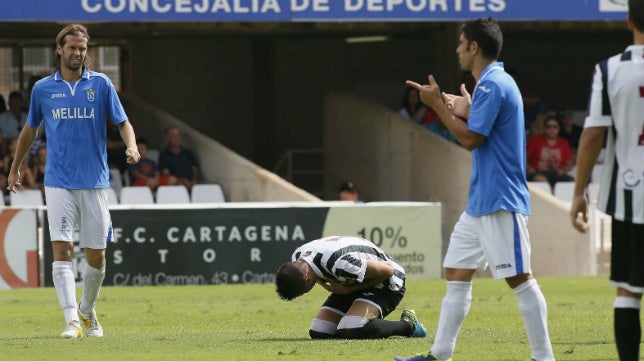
{"x": 493, "y": 229}
{"x": 74, "y": 104}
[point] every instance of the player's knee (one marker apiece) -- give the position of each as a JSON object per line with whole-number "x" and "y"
{"x": 321, "y": 329}
{"x": 353, "y": 327}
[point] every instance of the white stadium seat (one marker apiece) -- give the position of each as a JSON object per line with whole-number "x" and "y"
{"x": 173, "y": 194}
{"x": 116, "y": 180}
{"x": 544, "y": 186}
{"x": 136, "y": 195}
{"x": 26, "y": 197}
{"x": 207, "y": 193}
{"x": 112, "y": 198}
{"x": 564, "y": 191}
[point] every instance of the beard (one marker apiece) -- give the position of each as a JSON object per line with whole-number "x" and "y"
{"x": 73, "y": 65}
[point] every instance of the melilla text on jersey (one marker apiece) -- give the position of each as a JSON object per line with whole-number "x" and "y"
{"x": 72, "y": 113}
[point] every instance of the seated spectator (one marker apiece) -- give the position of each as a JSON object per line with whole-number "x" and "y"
{"x": 26, "y": 176}
{"x": 412, "y": 108}
{"x": 549, "y": 155}
{"x": 3, "y": 104}
{"x": 38, "y": 168}
{"x": 178, "y": 161}
{"x": 12, "y": 121}
{"x": 349, "y": 192}
{"x": 438, "y": 127}
{"x": 146, "y": 172}
{"x": 569, "y": 130}
{"x": 116, "y": 157}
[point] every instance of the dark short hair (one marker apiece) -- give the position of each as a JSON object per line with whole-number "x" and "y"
{"x": 348, "y": 186}
{"x": 487, "y": 34}
{"x": 289, "y": 281}
{"x": 636, "y": 12}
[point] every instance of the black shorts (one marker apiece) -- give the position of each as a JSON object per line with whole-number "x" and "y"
{"x": 627, "y": 255}
{"x": 385, "y": 298}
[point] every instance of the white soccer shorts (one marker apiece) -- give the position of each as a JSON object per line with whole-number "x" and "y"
{"x": 64, "y": 210}
{"x": 499, "y": 239}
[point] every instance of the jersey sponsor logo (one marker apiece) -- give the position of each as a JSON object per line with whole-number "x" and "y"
{"x": 72, "y": 113}
{"x": 58, "y": 95}
{"x": 90, "y": 95}
{"x": 484, "y": 89}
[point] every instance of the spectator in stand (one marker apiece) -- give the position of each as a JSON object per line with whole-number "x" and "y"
{"x": 26, "y": 94}
{"x": 3, "y": 152}
{"x": 569, "y": 130}
{"x": 549, "y": 155}
{"x": 146, "y": 171}
{"x": 26, "y": 176}
{"x": 178, "y": 161}
{"x": 3, "y": 104}
{"x": 349, "y": 192}
{"x": 116, "y": 157}
{"x": 12, "y": 121}
{"x": 38, "y": 168}
{"x": 412, "y": 108}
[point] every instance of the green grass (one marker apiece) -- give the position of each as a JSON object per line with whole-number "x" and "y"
{"x": 249, "y": 322}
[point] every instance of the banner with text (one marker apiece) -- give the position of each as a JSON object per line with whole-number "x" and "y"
{"x": 312, "y": 10}
{"x": 18, "y": 248}
{"x": 247, "y": 245}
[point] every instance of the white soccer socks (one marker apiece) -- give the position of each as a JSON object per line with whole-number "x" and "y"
{"x": 65, "y": 284}
{"x": 92, "y": 281}
{"x": 534, "y": 312}
{"x": 456, "y": 305}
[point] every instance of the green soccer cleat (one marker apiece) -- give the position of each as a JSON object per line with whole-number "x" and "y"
{"x": 410, "y": 316}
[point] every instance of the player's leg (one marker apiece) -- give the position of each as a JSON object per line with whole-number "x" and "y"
{"x": 464, "y": 255}
{"x": 627, "y": 273}
{"x": 325, "y": 323}
{"x": 506, "y": 242}
{"x": 365, "y": 318}
{"x": 62, "y": 215}
{"x": 95, "y": 232}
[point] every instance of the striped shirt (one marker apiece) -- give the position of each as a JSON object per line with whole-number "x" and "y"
{"x": 344, "y": 259}
{"x": 617, "y": 102}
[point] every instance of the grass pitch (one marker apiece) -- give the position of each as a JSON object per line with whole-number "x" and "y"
{"x": 249, "y": 322}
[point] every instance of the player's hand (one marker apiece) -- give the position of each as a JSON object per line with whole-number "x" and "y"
{"x": 430, "y": 94}
{"x": 459, "y": 105}
{"x": 132, "y": 154}
{"x": 13, "y": 181}
{"x": 579, "y": 213}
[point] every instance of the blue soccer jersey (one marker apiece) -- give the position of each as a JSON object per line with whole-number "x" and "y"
{"x": 499, "y": 164}
{"x": 75, "y": 116}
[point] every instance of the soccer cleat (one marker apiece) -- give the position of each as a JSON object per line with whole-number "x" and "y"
{"x": 419, "y": 357}
{"x": 73, "y": 330}
{"x": 90, "y": 322}
{"x": 410, "y": 316}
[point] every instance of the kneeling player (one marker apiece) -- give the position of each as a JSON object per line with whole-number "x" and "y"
{"x": 365, "y": 283}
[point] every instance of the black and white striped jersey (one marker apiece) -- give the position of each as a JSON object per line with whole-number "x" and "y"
{"x": 344, "y": 259}
{"x": 617, "y": 102}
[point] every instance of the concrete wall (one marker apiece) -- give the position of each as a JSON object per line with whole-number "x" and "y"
{"x": 389, "y": 158}
{"x": 241, "y": 179}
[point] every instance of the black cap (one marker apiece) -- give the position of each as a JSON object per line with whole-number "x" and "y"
{"x": 348, "y": 186}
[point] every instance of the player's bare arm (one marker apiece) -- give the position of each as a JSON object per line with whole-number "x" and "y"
{"x": 127, "y": 133}
{"x": 590, "y": 144}
{"x": 430, "y": 94}
{"x": 25, "y": 140}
